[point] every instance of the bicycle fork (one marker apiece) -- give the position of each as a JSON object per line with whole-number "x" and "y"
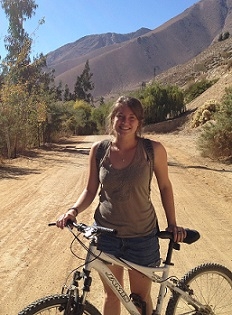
{"x": 76, "y": 302}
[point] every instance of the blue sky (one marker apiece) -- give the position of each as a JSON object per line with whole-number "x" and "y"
{"x": 68, "y": 20}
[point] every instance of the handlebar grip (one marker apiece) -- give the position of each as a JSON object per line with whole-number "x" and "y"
{"x": 191, "y": 237}
{"x": 106, "y": 230}
{"x": 70, "y": 222}
{"x": 52, "y": 224}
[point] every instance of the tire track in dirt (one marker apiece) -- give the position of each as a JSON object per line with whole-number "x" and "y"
{"x": 35, "y": 259}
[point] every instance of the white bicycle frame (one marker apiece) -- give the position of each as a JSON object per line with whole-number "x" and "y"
{"x": 98, "y": 260}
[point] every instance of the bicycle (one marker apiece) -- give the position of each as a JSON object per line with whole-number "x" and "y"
{"x": 205, "y": 290}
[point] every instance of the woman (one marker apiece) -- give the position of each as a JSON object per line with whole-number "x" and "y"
{"x": 124, "y": 202}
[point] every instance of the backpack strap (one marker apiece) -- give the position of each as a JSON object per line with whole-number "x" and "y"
{"x": 148, "y": 147}
{"x": 101, "y": 151}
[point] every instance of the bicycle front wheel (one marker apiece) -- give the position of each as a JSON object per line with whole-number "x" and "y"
{"x": 54, "y": 305}
{"x": 209, "y": 284}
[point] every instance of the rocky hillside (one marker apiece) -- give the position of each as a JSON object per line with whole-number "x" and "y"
{"x": 213, "y": 63}
{"x": 121, "y": 62}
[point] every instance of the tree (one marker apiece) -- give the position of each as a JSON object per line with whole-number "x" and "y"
{"x": 58, "y": 92}
{"x": 15, "y": 116}
{"x": 17, "y": 12}
{"x": 84, "y": 85}
{"x": 25, "y": 86}
{"x": 161, "y": 102}
{"x": 67, "y": 94}
{"x": 99, "y": 116}
{"x": 223, "y": 36}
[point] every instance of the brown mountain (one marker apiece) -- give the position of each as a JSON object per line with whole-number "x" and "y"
{"x": 122, "y": 62}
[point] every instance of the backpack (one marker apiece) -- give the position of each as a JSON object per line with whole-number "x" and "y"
{"x": 147, "y": 144}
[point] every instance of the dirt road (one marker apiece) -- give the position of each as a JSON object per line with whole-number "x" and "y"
{"x": 35, "y": 259}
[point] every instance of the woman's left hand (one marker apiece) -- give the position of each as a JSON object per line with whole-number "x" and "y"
{"x": 179, "y": 233}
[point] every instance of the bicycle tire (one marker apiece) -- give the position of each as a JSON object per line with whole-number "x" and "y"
{"x": 211, "y": 285}
{"x": 54, "y": 305}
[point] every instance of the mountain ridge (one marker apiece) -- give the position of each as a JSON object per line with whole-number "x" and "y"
{"x": 120, "y": 62}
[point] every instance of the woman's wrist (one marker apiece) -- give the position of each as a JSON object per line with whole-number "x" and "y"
{"x": 74, "y": 209}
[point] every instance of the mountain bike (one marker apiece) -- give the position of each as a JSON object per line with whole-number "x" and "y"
{"x": 205, "y": 290}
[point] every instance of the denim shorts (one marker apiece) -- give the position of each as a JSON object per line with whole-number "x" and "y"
{"x": 142, "y": 250}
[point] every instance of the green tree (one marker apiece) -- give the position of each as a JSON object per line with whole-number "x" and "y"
{"x": 99, "y": 116}
{"x": 161, "y": 102}
{"x": 59, "y": 92}
{"x": 27, "y": 83}
{"x": 84, "y": 85}
{"x": 17, "y": 12}
{"x": 226, "y": 35}
{"x": 15, "y": 115}
{"x": 83, "y": 123}
{"x": 67, "y": 94}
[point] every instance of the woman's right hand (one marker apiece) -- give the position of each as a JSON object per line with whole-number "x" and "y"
{"x": 62, "y": 220}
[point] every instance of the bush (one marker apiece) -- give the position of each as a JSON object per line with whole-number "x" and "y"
{"x": 197, "y": 89}
{"x": 205, "y": 113}
{"x": 216, "y": 138}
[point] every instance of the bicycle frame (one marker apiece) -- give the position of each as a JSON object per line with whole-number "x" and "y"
{"x": 98, "y": 260}
{"x": 210, "y": 282}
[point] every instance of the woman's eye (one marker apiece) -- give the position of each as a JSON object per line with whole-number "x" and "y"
{"x": 122, "y": 117}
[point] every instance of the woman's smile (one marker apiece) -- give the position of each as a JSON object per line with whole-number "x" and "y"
{"x": 125, "y": 120}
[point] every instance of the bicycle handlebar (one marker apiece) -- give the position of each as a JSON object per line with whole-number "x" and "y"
{"x": 191, "y": 237}
{"x": 83, "y": 228}
{"x": 86, "y": 229}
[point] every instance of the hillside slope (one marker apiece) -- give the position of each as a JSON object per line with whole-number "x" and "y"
{"x": 213, "y": 63}
{"x": 121, "y": 62}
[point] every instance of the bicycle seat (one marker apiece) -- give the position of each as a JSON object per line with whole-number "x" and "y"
{"x": 191, "y": 237}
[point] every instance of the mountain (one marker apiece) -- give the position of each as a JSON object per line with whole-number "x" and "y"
{"x": 123, "y": 62}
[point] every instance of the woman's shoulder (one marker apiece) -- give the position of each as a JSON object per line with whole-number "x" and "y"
{"x": 99, "y": 149}
{"x": 156, "y": 145}
{"x": 152, "y": 142}
{"x": 100, "y": 143}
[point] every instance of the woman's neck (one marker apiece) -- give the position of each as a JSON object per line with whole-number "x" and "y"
{"x": 125, "y": 143}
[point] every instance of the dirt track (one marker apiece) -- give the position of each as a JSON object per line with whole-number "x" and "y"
{"x": 35, "y": 259}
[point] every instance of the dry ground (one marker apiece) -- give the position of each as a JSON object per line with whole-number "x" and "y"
{"x": 35, "y": 259}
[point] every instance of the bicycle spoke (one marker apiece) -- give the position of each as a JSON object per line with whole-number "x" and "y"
{"x": 211, "y": 286}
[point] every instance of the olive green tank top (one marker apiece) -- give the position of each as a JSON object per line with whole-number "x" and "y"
{"x": 125, "y": 203}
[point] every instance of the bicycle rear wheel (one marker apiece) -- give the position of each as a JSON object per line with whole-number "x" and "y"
{"x": 209, "y": 284}
{"x": 54, "y": 305}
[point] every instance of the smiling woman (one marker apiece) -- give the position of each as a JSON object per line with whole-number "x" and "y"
{"x": 124, "y": 175}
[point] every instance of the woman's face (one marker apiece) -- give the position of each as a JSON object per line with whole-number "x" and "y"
{"x": 125, "y": 121}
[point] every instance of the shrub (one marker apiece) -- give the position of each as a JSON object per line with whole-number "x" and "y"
{"x": 197, "y": 88}
{"x": 216, "y": 138}
{"x": 205, "y": 113}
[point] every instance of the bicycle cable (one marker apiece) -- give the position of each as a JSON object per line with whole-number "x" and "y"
{"x": 76, "y": 238}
